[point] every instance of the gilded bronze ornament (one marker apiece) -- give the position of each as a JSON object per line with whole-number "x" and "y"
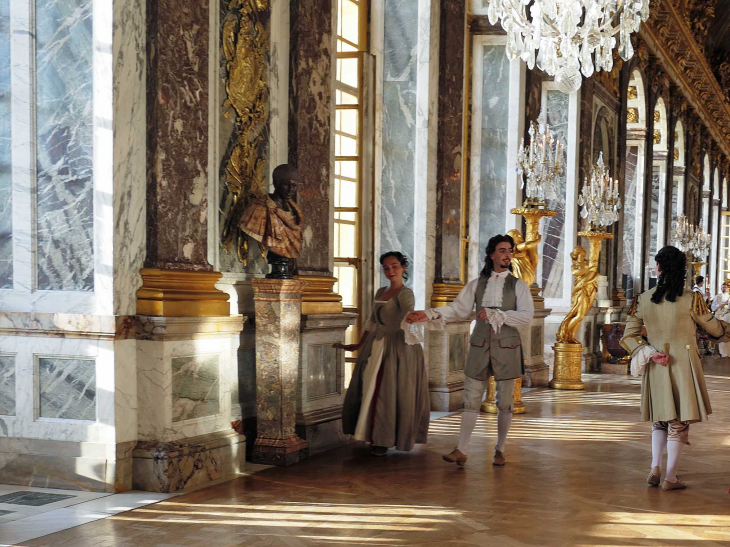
{"x": 632, "y": 92}
{"x": 246, "y": 49}
{"x": 657, "y": 136}
{"x": 632, "y": 115}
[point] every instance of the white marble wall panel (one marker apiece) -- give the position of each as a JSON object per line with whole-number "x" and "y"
{"x": 66, "y": 388}
{"x": 398, "y": 111}
{"x": 129, "y": 152}
{"x": 64, "y": 144}
{"x": 7, "y": 385}
{"x": 6, "y": 181}
{"x": 195, "y": 387}
{"x": 490, "y": 128}
{"x": 155, "y": 386}
{"x": 553, "y": 229}
{"x": 28, "y": 421}
{"x": 73, "y": 118}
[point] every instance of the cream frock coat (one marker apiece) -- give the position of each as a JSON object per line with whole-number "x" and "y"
{"x": 677, "y": 391}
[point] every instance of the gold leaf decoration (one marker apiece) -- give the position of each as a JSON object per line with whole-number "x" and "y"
{"x": 632, "y": 116}
{"x": 657, "y": 136}
{"x": 633, "y": 93}
{"x": 246, "y": 49}
{"x": 676, "y": 154}
{"x": 657, "y": 116}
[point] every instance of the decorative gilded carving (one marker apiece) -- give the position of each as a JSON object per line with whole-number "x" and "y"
{"x": 245, "y": 46}
{"x": 632, "y": 115}
{"x": 657, "y": 116}
{"x": 676, "y": 153}
{"x": 657, "y": 136}
{"x": 633, "y": 93}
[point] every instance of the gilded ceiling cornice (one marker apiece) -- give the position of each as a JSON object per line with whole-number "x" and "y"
{"x": 668, "y": 36}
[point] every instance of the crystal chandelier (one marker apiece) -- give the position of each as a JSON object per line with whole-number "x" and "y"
{"x": 540, "y": 163}
{"x": 690, "y": 239}
{"x": 572, "y": 36}
{"x": 600, "y": 197}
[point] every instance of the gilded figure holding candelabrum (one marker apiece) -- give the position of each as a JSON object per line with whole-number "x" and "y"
{"x": 525, "y": 257}
{"x": 584, "y": 294}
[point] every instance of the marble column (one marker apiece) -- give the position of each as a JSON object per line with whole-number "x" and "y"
{"x": 278, "y": 318}
{"x": 311, "y": 127}
{"x": 177, "y": 278}
{"x": 446, "y": 349}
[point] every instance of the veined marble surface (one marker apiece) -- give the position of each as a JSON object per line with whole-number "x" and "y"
{"x": 7, "y": 385}
{"x": 57, "y": 324}
{"x": 55, "y": 379}
{"x": 399, "y": 90}
{"x": 629, "y": 271}
{"x": 64, "y": 123}
{"x": 6, "y": 182}
{"x": 195, "y": 387}
{"x": 494, "y": 127}
{"x": 67, "y": 388}
{"x": 553, "y": 229}
{"x": 129, "y": 128}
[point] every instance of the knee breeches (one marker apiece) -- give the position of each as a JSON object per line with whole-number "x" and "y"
{"x": 676, "y": 430}
{"x": 474, "y": 394}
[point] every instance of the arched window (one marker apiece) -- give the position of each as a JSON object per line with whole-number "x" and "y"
{"x": 658, "y": 191}
{"x": 678, "y": 175}
{"x": 633, "y": 185}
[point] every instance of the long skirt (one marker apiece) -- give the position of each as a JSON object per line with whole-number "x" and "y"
{"x": 387, "y": 402}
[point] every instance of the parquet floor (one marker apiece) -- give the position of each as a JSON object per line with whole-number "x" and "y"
{"x": 576, "y": 472}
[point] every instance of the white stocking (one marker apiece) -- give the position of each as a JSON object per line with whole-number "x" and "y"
{"x": 504, "y": 420}
{"x": 674, "y": 452}
{"x": 658, "y": 444}
{"x": 468, "y": 422}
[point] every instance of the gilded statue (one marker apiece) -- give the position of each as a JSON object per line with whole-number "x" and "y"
{"x": 275, "y": 221}
{"x": 524, "y": 257}
{"x": 584, "y": 293}
{"x": 245, "y": 47}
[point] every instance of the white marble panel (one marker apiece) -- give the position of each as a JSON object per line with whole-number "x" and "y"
{"x": 66, "y": 388}
{"x": 129, "y": 170}
{"x": 27, "y": 422}
{"x": 7, "y": 385}
{"x": 155, "y": 392}
{"x": 6, "y": 181}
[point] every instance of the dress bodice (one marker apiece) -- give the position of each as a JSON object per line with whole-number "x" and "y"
{"x": 386, "y": 316}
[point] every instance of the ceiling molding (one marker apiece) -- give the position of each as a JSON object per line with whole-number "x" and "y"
{"x": 669, "y": 38}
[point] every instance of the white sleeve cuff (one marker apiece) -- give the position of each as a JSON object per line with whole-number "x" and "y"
{"x": 435, "y": 321}
{"x": 413, "y": 332}
{"x": 641, "y": 358}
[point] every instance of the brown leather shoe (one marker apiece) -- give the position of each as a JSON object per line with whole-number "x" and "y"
{"x": 498, "y": 459}
{"x": 655, "y": 476}
{"x": 456, "y": 456}
{"x": 679, "y": 485}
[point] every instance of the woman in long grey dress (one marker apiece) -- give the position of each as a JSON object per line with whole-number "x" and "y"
{"x": 387, "y": 402}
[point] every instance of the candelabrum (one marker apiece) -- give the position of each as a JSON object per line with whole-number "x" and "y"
{"x": 567, "y": 37}
{"x": 540, "y": 163}
{"x": 601, "y": 202}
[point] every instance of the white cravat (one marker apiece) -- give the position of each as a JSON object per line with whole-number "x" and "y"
{"x": 493, "y": 293}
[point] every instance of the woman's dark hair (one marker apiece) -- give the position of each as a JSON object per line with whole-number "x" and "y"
{"x": 401, "y": 258}
{"x": 673, "y": 265}
{"x": 491, "y": 248}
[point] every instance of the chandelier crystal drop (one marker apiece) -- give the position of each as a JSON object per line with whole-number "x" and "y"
{"x": 567, "y": 37}
{"x": 690, "y": 239}
{"x": 599, "y": 198}
{"x": 540, "y": 163}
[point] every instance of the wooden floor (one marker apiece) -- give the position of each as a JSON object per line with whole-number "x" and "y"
{"x": 575, "y": 475}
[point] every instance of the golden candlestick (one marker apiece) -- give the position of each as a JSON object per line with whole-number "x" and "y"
{"x": 524, "y": 265}
{"x": 697, "y": 267}
{"x": 568, "y": 350}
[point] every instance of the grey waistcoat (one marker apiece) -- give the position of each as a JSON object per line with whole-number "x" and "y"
{"x": 490, "y": 353}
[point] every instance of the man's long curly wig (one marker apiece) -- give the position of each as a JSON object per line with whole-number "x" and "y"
{"x": 673, "y": 265}
{"x": 491, "y": 248}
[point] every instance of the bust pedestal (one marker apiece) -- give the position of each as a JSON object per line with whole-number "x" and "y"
{"x": 278, "y": 304}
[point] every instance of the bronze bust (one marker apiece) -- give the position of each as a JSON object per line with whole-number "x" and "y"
{"x": 275, "y": 221}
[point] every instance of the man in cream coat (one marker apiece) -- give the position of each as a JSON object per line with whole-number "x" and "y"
{"x": 503, "y": 304}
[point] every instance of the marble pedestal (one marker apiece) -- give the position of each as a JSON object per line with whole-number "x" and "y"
{"x": 447, "y": 351}
{"x": 321, "y": 384}
{"x": 537, "y": 372}
{"x": 185, "y": 369}
{"x": 278, "y": 305}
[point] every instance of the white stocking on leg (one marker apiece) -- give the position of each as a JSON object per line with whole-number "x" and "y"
{"x": 658, "y": 444}
{"x": 674, "y": 452}
{"x": 504, "y": 420}
{"x": 468, "y": 422}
